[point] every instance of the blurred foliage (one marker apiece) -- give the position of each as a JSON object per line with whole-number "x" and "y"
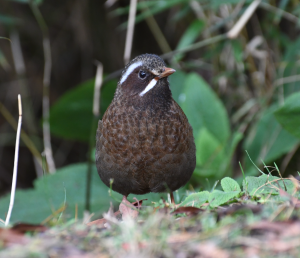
{"x": 66, "y": 188}
{"x": 238, "y": 94}
{"x": 289, "y": 115}
{"x": 75, "y": 107}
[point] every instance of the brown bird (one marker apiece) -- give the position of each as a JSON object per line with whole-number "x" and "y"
{"x": 144, "y": 141}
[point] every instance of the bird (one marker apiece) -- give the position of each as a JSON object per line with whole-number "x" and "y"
{"x": 144, "y": 142}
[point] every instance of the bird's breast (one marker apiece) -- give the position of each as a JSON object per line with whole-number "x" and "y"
{"x": 141, "y": 137}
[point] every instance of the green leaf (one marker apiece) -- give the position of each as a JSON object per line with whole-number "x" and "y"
{"x": 189, "y": 36}
{"x": 176, "y": 84}
{"x": 289, "y": 115}
{"x": 228, "y": 184}
{"x": 195, "y": 199}
{"x": 209, "y": 154}
{"x": 203, "y": 108}
{"x": 267, "y": 139}
{"x": 48, "y": 195}
{"x": 71, "y": 116}
{"x": 256, "y": 186}
{"x": 217, "y": 198}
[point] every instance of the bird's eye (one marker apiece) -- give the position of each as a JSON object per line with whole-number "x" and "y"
{"x": 142, "y": 74}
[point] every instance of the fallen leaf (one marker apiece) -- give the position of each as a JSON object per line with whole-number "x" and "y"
{"x": 25, "y": 227}
{"x": 190, "y": 211}
{"x": 128, "y": 210}
{"x": 9, "y": 237}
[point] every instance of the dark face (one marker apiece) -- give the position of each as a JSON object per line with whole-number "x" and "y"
{"x": 144, "y": 76}
{"x": 137, "y": 81}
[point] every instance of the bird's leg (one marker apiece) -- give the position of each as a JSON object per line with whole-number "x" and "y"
{"x": 172, "y": 198}
{"x": 138, "y": 203}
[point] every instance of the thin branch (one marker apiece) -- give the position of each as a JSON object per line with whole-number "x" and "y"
{"x": 130, "y": 30}
{"x": 25, "y": 138}
{"x": 14, "y": 181}
{"x": 46, "y": 86}
{"x": 96, "y": 112}
{"x": 98, "y": 84}
{"x": 284, "y": 14}
{"x": 6, "y": 39}
{"x": 196, "y": 7}
{"x": 285, "y": 80}
{"x": 194, "y": 46}
{"x": 235, "y": 31}
{"x": 157, "y": 33}
{"x": 286, "y": 160}
{"x": 17, "y": 53}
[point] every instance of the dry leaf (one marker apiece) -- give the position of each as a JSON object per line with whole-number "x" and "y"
{"x": 10, "y": 237}
{"x": 190, "y": 211}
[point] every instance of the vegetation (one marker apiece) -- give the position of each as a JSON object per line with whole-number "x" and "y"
{"x": 240, "y": 93}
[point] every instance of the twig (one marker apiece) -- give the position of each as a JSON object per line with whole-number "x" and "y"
{"x": 6, "y": 39}
{"x": 25, "y": 138}
{"x": 286, "y": 160}
{"x": 194, "y": 46}
{"x": 196, "y": 7}
{"x": 14, "y": 181}
{"x": 98, "y": 84}
{"x": 284, "y": 14}
{"x": 130, "y": 30}
{"x": 157, "y": 33}
{"x": 96, "y": 112}
{"x": 285, "y": 188}
{"x": 270, "y": 183}
{"x": 17, "y": 53}
{"x": 289, "y": 79}
{"x": 29, "y": 119}
{"x": 234, "y": 32}
{"x": 46, "y": 85}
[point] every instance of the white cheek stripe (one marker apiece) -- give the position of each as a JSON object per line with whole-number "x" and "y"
{"x": 129, "y": 71}
{"x": 149, "y": 86}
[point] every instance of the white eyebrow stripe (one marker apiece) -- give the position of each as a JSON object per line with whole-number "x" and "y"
{"x": 129, "y": 71}
{"x": 149, "y": 86}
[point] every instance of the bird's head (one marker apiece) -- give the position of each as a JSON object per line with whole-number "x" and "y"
{"x": 143, "y": 75}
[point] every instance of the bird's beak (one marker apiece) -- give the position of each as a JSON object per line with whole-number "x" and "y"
{"x": 166, "y": 72}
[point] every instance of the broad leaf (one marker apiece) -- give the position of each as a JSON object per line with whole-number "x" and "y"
{"x": 195, "y": 199}
{"x": 265, "y": 184}
{"x": 176, "y": 84}
{"x": 289, "y": 115}
{"x": 267, "y": 140}
{"x": 209, "y": 154}
{"x": 50, "y": 192}
{"x": 189, "y": 36}
{"x": 71, "y": 116}
{"x": 203, "y": 108}
{"x": 217, "y": 198}
{"x": 228, "y": 184}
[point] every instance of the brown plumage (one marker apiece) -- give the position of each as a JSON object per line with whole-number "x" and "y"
{"x": 144, "y": 141}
